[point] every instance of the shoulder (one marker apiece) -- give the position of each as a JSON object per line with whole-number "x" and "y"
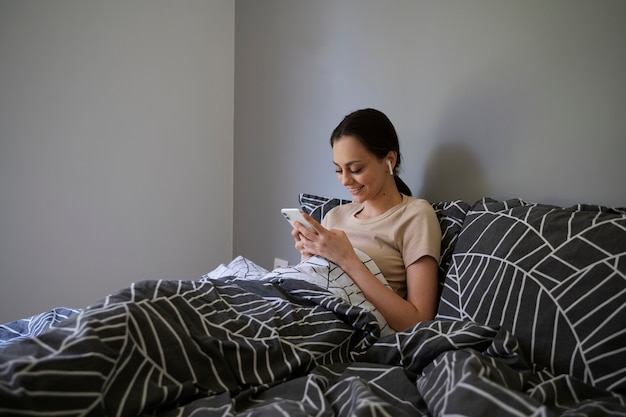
{"x": 419, "y": 213}
{"x": 422, "y": 232}
{"x": 344, "y": 209}
{"x": 339, "y": 213}
{"x": 415, "y": 206}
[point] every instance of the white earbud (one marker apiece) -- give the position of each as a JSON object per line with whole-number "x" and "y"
{"x": 390, "y": 167}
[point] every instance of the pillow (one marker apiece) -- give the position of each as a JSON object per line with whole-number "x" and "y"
{"x": 317, "y": 206}
{"x": 451, "y": 215}
{"x": 555, "y": 277}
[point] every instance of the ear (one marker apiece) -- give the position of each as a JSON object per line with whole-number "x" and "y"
{"x": 392, "y": 157}
{"x": 389, "y": 166}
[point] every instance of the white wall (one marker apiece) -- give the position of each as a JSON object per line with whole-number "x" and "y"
{"x": 489, "y": 97}
{"x": 116, "y": 129}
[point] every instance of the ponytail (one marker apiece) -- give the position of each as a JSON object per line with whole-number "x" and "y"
{"x": 402, "y": 187}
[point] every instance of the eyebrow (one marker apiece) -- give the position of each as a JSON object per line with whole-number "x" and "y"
{"x": 348, "y": 163}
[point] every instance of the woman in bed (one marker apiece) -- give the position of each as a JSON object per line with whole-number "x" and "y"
{"x": 399, "y": 232}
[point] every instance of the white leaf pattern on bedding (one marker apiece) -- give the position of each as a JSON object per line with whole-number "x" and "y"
{"x": 163, "y": 343}
{"x": 315, "y": 270}
{"x": 554, "y": 276}
{"x": 32, "y": 326}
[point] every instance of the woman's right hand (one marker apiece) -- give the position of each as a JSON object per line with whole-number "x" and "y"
{"x": 299, "y": 245}
{"x": 333, "y": 244}
{"x": 305, "y": 236}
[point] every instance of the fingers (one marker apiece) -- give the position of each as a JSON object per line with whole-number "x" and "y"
{"x": 314, "y": 223}
{"x": 300, "y": 241}
{"x": 305, "y": 238}
{"x": 302, "y": 232}
{"x": 318, "y": 229}
{"x": 301, "y": 247}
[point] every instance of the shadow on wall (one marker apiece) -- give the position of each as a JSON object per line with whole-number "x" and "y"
{"x": 485, "y": 119}
{"x": 452, "y": 172}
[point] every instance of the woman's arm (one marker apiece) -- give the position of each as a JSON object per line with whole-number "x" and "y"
{"x": 422, "y": 292}
{"x": 422, "y": 284}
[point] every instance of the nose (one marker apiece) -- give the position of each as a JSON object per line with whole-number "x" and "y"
{"x": 345, "y": 178}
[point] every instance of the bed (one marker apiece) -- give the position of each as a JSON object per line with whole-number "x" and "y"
{"x": 530, "y": 322}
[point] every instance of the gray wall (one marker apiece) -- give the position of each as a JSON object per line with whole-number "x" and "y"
{"x": 117, "y": 122}
{"x": 489, "y": 97}
{"x": 116, "y": 146}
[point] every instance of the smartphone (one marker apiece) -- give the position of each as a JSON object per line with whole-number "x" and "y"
{"x": 295, "y": 215}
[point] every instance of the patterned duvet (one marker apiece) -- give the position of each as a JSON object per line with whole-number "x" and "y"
{"x": 281, "y": 346}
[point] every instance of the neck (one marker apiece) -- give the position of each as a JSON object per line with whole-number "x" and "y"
{"x": 376, "y": 207}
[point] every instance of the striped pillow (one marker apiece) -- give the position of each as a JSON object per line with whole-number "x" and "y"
{"x": 317, "y": 206}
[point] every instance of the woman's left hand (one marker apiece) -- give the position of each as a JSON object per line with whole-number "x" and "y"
{"x": 332, "y": 244}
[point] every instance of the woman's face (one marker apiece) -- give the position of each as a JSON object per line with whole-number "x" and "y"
{"x": 361, "y": 172}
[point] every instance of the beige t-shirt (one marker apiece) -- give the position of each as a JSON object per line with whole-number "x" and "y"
{"x": 395, "y": 239}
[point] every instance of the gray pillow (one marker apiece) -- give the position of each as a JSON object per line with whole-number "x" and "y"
{"x": 317, "y": 206}
{"x": 555, "y": 277}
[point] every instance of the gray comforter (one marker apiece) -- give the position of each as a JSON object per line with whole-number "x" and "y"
{"x": 233, "y": 347}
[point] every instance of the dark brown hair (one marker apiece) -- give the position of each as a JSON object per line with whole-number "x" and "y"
{"x": 376, "y": 132}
